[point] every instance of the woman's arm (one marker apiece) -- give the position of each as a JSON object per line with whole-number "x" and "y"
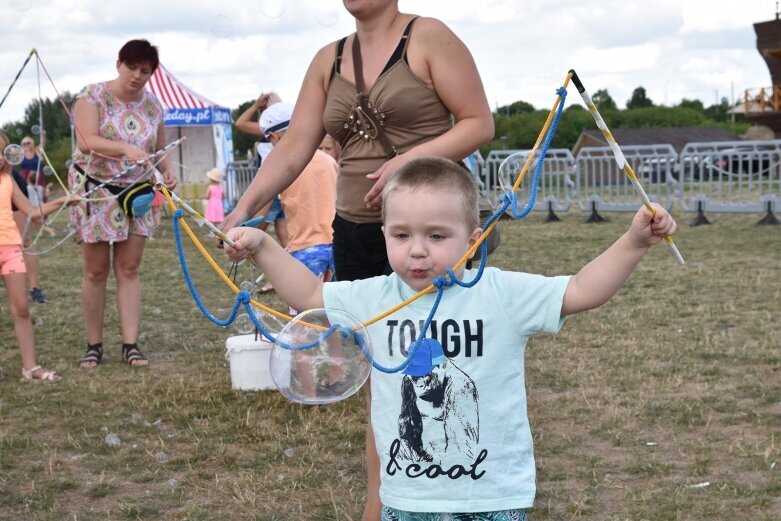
{"x": 444, "y": 63}
{"x": 294, "y": 151}
{"x": 166, "y": 166}
{"x": 87, "y": 123}
{"x": 245, "y": 123}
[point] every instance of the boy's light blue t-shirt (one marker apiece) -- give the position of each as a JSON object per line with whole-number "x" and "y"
{"x": 458, "y": 439}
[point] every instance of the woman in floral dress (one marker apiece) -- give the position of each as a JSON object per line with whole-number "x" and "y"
{"x": 117, "y": 123}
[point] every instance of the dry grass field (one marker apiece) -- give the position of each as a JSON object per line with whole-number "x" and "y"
{"x": 665, "y": 404}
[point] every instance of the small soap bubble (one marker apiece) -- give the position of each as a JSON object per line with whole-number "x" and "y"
{"x": 243, "y": 324}
{"x": 13, "y": 153}
{"x": 172, "y": 484}
{"x": 112, "y": 440}
{"x": 222, "y": 26}
{"x": 157, "y": 311}
{"x": 68, "y": 163}
{"x": 271, "y": 8}
{"x": 161, "y": 457}
{"x": 313, "y": 368}
{"x": 36, "y": 129}
{"x": 248, "y": 286}
{"x": 289, "y": 453}
{"x": 47, "y": 170}
{"x": 19, "y": 131}
{"x": 327, "y": 15}
{"x": 271, "y": 323}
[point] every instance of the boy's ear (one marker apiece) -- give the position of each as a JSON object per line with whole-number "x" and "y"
{"x": 476, "y": 233}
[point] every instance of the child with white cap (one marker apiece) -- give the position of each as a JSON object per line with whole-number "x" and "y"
{"x": 309, "y": 202}
{"x": 451, "y": 430}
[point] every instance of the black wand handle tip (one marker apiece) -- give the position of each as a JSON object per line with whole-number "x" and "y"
{"x": 576, "y": 81}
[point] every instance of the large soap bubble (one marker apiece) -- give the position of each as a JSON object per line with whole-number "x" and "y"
{"x": 313, "y": 368}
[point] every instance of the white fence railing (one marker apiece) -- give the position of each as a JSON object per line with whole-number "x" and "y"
{"x": 731, "y": 176}
{"x": 602, "y": 186}
{"x": 718, "y": 177}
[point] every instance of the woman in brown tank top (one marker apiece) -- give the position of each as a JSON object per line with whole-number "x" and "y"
{"x": 420, "y": 81}
{"x": 419, "y": 94}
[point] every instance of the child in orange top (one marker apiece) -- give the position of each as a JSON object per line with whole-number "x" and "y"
{"x": 12, "y": 265}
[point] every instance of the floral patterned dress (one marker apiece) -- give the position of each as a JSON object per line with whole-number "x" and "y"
{"x": 101, "y": 219}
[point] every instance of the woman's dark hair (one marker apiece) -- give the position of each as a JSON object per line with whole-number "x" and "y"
{"x": 139, "y": 51}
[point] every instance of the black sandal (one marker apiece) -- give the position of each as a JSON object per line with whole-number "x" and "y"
{"x": 132, "y": 354}
{"x": 94, "y": 354}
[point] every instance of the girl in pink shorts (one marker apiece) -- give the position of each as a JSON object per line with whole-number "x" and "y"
{"x": 12, "y": 268}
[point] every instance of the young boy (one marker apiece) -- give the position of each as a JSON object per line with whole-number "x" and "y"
{"x": 451, "y": 430}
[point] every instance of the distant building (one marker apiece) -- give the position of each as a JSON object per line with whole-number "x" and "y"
{"x": 678, "y": 137}
{"x": 762, "y": 106}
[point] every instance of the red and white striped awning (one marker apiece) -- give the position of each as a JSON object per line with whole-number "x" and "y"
{"x": 173, "y": 94}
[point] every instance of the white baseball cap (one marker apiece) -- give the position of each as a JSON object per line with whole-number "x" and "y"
{"x": 276, "y": 118}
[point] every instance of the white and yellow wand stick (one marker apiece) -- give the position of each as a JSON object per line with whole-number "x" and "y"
{"x": 619, "y": 156}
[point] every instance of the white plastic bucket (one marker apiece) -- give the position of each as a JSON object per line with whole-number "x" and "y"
{"x": 249, "y": 362}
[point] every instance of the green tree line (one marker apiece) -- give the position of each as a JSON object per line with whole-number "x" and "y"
{"x": 517, "y": 124}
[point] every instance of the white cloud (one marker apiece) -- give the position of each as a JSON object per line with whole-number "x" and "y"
{"x": 230, "y": 52}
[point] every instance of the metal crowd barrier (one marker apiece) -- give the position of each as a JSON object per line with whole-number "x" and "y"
{"x": 602, "y": 186}
{"x": 238, "y": 176}
{"x": 720, "y": 177}
{"x": 556, "y": 185}
{"x": 731, "y": 177}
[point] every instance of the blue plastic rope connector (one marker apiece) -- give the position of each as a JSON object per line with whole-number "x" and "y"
{"x": 243, "y": 297}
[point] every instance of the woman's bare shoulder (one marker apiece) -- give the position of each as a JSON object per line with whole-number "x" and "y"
{"x": 431, "y": 27}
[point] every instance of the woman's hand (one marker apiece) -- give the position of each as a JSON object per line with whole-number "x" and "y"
{"x": 373, "y": 198}
{"x": 266, "y": 99}
{"x": 169, "y": 179}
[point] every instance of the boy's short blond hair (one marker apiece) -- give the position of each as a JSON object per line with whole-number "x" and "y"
{"x": 439, "y": 175}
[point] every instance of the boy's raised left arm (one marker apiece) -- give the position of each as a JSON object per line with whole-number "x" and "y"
{"x": 292, "y": 281}
{"x": 601, "y": 278}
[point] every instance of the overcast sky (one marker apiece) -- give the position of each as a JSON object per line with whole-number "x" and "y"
{"x": 231, "y": 51}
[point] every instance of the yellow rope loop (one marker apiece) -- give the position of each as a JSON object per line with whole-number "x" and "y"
{"x": 160, "y": 187}
{"x": 413, "y": 298}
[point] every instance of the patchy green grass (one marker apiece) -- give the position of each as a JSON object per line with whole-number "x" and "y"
{"x": 634, "y": 407}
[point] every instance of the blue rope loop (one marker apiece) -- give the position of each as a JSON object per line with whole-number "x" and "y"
{"x": 510, "y": 197}
{"x": 243, "y": 298}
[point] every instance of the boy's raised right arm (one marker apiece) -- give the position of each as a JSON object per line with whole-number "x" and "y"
{"x": 292, "y": 281}
{"x": 601, "y": 278}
